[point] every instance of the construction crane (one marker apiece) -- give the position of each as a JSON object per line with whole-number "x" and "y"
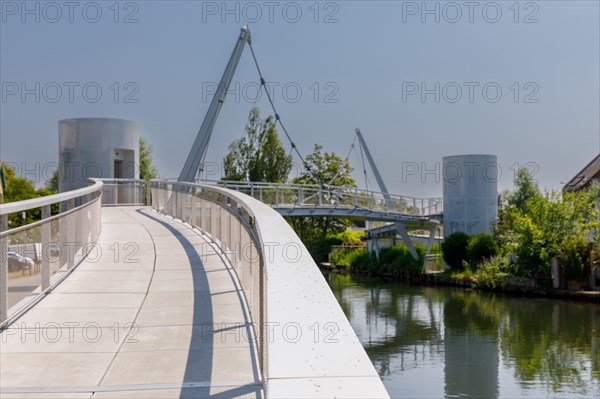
{"x": 198, "y": 152}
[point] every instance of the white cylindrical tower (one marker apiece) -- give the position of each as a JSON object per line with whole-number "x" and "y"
{"x": 470, "y": 193}
{"x": 96, "y": 147}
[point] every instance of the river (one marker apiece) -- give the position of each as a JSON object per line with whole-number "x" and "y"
{"x": 433, "y": 342}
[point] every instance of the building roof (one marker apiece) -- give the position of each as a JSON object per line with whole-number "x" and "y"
{"x": 586, "y": 177}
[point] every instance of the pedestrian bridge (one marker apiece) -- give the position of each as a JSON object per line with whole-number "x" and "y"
{"x": 203, "y": 292}
{"x": 301, "y": 200}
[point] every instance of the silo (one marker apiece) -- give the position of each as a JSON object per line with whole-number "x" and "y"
{"x": 96, "y": 147}
{"x": 470, "y": 193}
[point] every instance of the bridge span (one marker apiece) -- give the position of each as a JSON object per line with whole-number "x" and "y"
{"x": 204, "y": 292}
{"x": 394, "y": 215}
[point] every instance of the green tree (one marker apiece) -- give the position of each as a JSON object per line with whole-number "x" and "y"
{"x": 18, "y": 189}
{"x": 325, "y": 169}
{"x": 147, "y": 169}
{"x": 454, "y": 249}
{"x": 258, "y": 156}
{"x": 537, "y": 227}
{"x": 52, "y": 183}
{"x": 526, "y": 190}
{"x": 481, "y": 247}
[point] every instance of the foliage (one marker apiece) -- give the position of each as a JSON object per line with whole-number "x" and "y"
{"x": 492, "y": 273}
{"x": 320, "y": 248}
{"x": 147, "y": 169}
{"x": 346, "y": 237}
{"x": 52, "y": 183}
{"x": 466, "y": 273}
{"x": 481, "y": 247}
{"x": 258, "y": 156}
{"x": 526, "y": 190}
{"x": 391, "y": 260}
{"x": 327, "y": 169}
{"x": 18, "y": 189}
{"x": 454, "y": 249}
{"x": 537, "y": 227}
{"x": 346, "y": 256}
{"x": 323, "y": 169}
{"x": 573, "y": 256}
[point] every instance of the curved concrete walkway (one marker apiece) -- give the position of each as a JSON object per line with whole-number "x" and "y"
{"x": 154, "y": 312}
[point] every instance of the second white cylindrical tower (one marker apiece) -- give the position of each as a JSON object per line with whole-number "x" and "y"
{"x": 470, "y": 193}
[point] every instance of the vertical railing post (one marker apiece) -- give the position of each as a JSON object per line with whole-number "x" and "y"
{"x": 45, "y": 244}
{"x": 180, "y": 204}
{"x": 320, "y": 195}
{"x": 71, "y": 226}
{"x": 193, "y": 203}
{"x": 148, "y": 199}
{"x": 175, "y": 196}
{"x": 3, "y": 269}
{"x": 203, "y": 225}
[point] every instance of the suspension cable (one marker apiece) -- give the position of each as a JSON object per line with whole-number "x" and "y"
{"x": 277, "y": 117}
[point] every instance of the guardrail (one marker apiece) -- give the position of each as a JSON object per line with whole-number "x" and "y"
{"x": 283, "y": 287}
{"x": 124, "y": 192}
{"x": 35, "y": 257}
{"x": 279, "y": 195}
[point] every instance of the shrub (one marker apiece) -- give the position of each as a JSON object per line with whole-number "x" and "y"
{"x": 365, "y": 262}
{"x": 391, "y": 260}
{"x": 481, "y": 247}
{"x": 346, "y": 237}
{"x": 320, "y": 248}
{"x": 573, "y": 256}
{"x": 398, "y": 258}
{"x": 346, "y": 256}
{"x": 492, "y": 273}
{"x": 454, "y": 249}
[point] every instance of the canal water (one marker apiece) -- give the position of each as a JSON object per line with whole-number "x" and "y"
{"x": 434, "y": 342}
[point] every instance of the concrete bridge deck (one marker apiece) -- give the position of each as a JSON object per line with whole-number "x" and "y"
{"x": 154, "y": 311}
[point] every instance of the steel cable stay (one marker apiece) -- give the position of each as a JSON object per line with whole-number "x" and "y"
{"x": 325, "y": 187}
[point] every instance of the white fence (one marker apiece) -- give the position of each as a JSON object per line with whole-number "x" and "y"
{"x": 37, "y": 256}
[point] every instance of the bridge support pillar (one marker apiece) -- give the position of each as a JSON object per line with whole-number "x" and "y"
{"x": 373, "y": 244}
{"x": 432, "y": 231}
{"x": 406, "y": 238}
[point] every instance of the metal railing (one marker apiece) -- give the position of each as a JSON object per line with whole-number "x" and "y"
{"x": 35, "y": 257}
{"x": 281, "y": 195}
{"x": 231, "y": 224}
{"x": 280, "y": 289}
{"x": 124, "y": 192}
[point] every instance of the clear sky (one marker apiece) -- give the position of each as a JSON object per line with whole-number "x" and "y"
{"x": 420, "y": 79}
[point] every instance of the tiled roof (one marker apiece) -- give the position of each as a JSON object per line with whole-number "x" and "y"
{"x": 584, "y": 178}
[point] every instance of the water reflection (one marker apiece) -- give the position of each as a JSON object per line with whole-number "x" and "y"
{"x": 433, "y": 342}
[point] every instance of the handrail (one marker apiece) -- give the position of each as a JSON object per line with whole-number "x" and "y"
{"x": 74, "y": 228}
{"x": 319, "y": 196}
{"x": 281, "y": 293}
{"x": 230, "y": 183}
{"x": 20, "y": 206}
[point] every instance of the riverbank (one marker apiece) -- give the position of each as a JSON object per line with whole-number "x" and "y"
{"x": 516, "y": 287}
